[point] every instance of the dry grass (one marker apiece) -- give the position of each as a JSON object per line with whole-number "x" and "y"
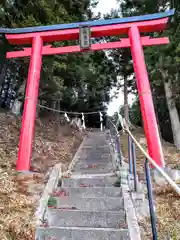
{"x": 167, "y": 202}
{"x": 19, "y": 193}
{"x": 16, "y": 211}
{"x": 168, "y": 212}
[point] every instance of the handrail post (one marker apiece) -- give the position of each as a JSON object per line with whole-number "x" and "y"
{"x": 134, "y": 164}
{"x": 150, "y": 199}
{"x": 129, "y": 154}
{"x": 118, "y": 149}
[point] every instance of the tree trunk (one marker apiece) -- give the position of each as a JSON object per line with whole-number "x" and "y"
{"x": 126, "y": 108}
{"x": 156, "y": 112}
{"x": 2, "y": 74}
{"x": 174, "y": 117}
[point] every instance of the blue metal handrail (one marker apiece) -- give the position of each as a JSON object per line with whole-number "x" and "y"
{"x": 134, "y": 164}
{"x": 132, "y": 170}
{"x": 148, "y": 181}
{"x": 129, "y": 154}
{"x": 150, "y": 200}
{"x": 132, "y": 154}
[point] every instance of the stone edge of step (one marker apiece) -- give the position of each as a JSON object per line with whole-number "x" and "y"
{"x": 118, "y": 218}
{"x": 94, "y": 229}
{"x": 93, "y": 176}
{"x": 131, "y": 218}
{"x": 86, "y": 228}
{"x": 121, "y": 211}
{"x": 41, "y": 231}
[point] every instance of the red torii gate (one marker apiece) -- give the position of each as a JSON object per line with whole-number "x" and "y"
{"x": 132, "y": 26}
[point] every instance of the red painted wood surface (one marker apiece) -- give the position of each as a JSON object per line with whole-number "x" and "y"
{"x": 29, "y": 114}
{"x": 145, "y": 98}
{"x": 123, "y": 43}
{"x": 73, "y": 34}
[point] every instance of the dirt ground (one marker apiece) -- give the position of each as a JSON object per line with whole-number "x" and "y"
{"x": 19, "y": 194}
{"x": 166, "y": 201}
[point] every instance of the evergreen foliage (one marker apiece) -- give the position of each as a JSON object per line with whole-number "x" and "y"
{"x": 79, "y": 82}
{"x": 159, "y": 60}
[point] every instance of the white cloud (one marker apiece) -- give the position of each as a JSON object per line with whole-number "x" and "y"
{"x": 105, "y": 6}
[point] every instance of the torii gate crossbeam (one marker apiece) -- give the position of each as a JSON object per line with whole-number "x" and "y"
{"x": 132, "y": 26}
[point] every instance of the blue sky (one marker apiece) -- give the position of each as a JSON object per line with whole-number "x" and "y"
{"x": 105, "y": 6}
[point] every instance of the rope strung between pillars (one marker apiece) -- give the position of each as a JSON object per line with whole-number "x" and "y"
{"x": 75, "y": 113}
{"x": 61, "y": 111}
{"x": 101, "y": 120}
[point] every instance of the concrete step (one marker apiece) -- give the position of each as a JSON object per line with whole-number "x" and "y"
{"x": 85, "y": 165}
{"x": 92, "y": 144}
{"x": 94, "y": 168}
{"x": 76, "y": 175}
{"x": 95, "y": 154}
{"x": 94, "y": 192}
{"x": 94, "y": 171}
{"x": 91, "y": 155}
{"x": 89, "y": 204}
{"x": 74, "y": 218}
{"x": 76, "y": 233}
{"x": 98, "y": 151}
{"x": 95, "y": 161}
{"x": 91, "y": 182}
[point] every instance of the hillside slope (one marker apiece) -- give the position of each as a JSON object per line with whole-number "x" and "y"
{"x": 53, "y": 143}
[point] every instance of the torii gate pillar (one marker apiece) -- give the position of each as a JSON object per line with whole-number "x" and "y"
{"x": 29, "y": 113}
{"x": 145, "y": 98}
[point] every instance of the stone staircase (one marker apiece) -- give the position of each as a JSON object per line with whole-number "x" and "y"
{"x": 90, "y": 204}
